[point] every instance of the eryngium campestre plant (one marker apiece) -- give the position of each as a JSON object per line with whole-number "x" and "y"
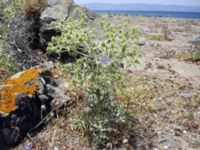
{"x": 98, "y": 73}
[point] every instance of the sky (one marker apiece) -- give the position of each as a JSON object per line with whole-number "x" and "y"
{"x": 167, "y": 2}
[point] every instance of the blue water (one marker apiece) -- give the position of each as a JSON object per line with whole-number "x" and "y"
{"x": 191, "y": 15}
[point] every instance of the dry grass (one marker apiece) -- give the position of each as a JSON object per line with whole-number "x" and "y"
{"x": 159, "y": 37}
{"x": 30, "y": 6}
{"x": 194, "y": 57}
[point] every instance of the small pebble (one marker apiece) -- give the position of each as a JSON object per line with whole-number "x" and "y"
{"x": 186, "y": 95}
{"x": 125, "y": 141}
{"x": 166, "y": 147}
{"x": 43, "y": 108}
{"x": 87, "y": 109}
{"x": 55, "y": 148}
{"x": 198, "y": 113}
{"x": 171, "y": 130}
{"x": 52, "y": 114}
{"x": 66, "y": 85}
{"x": 28, "y": 146}
{"x": 43, "y": 98}
{"x": 109, "y": 146}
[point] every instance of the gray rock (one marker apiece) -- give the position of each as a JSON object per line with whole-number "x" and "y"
{"x": 57, "y": 10}
{"x": 197, "y": 40}
{"x": 109, "y": 146}
{"x": 141, "y": 42}
{"x": 43, "y": 98}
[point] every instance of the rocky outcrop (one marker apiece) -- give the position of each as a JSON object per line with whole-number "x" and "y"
{"x": 24, "y": 41}
{"x": 25, "y": 99}
{"x": 29, "y": 36}
{"x": 57, "y": 9}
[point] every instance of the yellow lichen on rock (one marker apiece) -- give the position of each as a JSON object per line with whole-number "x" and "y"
{"x": 15, "y": 86}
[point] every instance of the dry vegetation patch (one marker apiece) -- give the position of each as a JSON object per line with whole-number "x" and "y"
{"x": 31, "y": 6}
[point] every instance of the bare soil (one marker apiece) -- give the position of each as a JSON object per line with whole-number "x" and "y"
{"x": 174, "y": 84}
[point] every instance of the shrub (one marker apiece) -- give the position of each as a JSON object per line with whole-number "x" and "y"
{"x": 166, "y": 32}
{"x": 193, "y": 55}
{"x": 189, "y": 56}
{"x": 196, "y": 47}
{"x": 97, "y": 71}
{"x": 159, "y": 37}
{"x": 165, "y": 35}
{"x": 7, "y": 63}
{"x": 10, "y": 9}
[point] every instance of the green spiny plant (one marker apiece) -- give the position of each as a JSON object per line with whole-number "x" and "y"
{"x": 98, "y": 72}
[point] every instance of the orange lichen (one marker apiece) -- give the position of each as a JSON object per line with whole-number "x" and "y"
{"x": 15, "y": 86}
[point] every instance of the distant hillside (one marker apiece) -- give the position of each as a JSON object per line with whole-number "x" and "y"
{"x": 142, "y": 7}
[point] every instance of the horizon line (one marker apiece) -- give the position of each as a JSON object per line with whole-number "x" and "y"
{"x": 140, "y": 4}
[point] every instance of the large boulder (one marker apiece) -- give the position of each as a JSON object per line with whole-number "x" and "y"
{"x": 25, "y": 99}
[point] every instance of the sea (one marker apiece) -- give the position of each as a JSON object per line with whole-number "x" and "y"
{"x": 189, "y": 15}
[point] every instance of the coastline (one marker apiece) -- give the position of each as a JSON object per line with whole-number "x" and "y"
{"x": 160, "y": 14}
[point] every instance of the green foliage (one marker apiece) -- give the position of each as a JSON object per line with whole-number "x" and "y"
{"x": 193, "y": 55}
{"x": 72, "y": 38}
{"x": 196, "y": 46}
{"x": 188, "y": 56}
{"x": 11, "y": 8}
{"x": 97, "y": 71}
{"x": 7, "y": 65}
{"x": 165, "y": 35}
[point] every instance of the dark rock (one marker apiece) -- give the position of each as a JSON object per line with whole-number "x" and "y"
{"x": 161, "y": 67}
{"x": 149, "y": 65}
{"x": 24, "y": 41}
